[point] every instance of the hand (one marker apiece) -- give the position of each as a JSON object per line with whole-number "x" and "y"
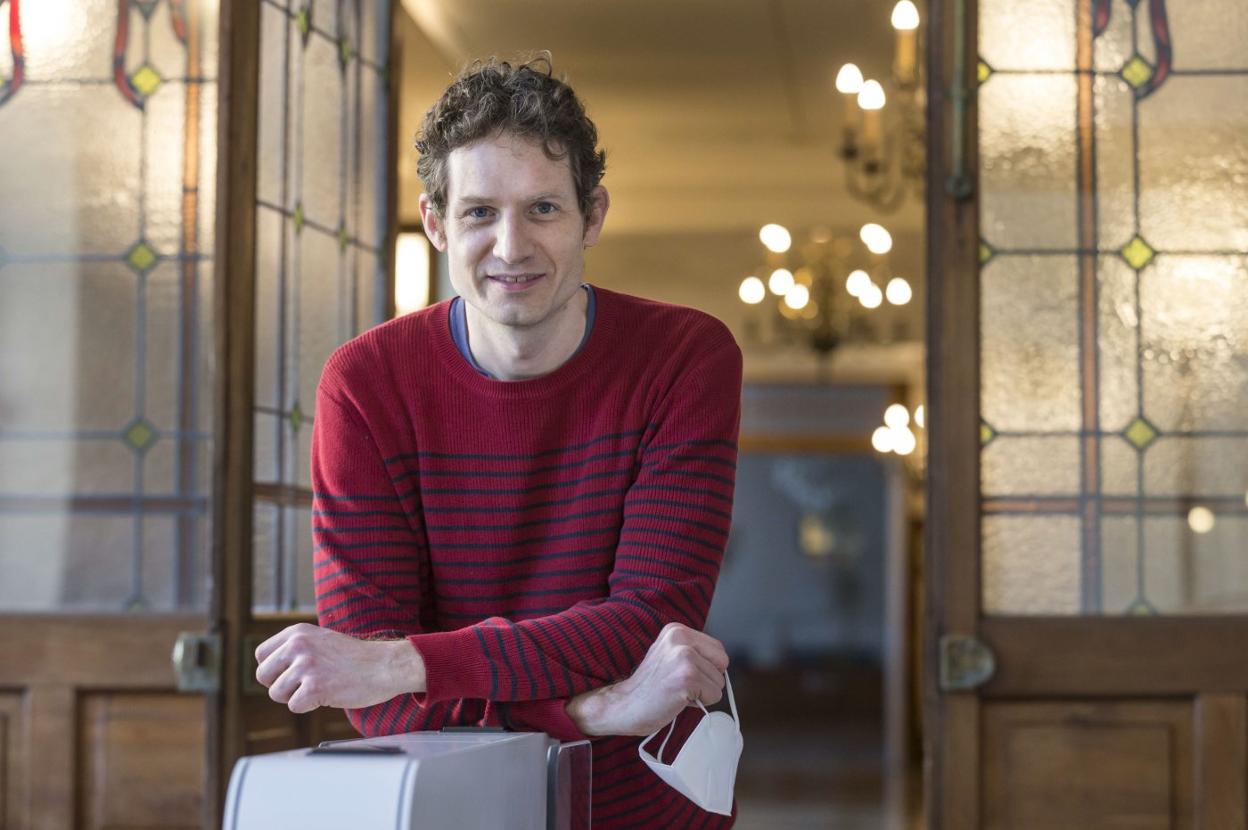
{"x": 682, "y": 666}
{"x": 305, "y": 666}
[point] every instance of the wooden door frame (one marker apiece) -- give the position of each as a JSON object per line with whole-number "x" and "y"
{"x": 951, "y": 545}
{"x": 234, "y": 294}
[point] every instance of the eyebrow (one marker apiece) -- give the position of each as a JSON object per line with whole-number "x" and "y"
{"x": 485, "y": 200}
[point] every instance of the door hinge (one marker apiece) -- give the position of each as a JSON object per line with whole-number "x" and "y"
{"x": 965, "y": 663}
{"x": 197, "y": 661}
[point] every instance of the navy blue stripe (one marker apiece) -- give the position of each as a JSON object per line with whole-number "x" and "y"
{"x": 701, "y": 508}
{"x": 545, "y": 574}
{"x": 701, "y": 442}
{"x": 374, "y": 529}
{"x": 525, "y": 507}
{"x": 716, "y": 529}
{"x": 672, "y": 488}
{"x": 493, "y": 666}
{"x": 519, "y": 634}
{"x": 531, "y": 540}
{"x": 478, "y": 617}
{"x": 532, "y": 523}
{"x": 544, "y": 592}
{"x": 362, "y": 545}
{"x": 394, "y": 514}
{"x": 655, "y": 468}
{"x": 556, "y": 627}
{"x": 502, "y": 653}
{"x": 331, "y": 497}
{"x": 714, "y": 563}
{"x": 384, "y": 615}
{"x": 514, "y": 491}
{"x": 325, "y": 612}
{"x": 589, "y": 459}
{"x": 637, "y": 603}
{"x": 667, "y": 460}
{"x": 520, "y": 560}
{"x": 526, "y": 457}
{"x": 567, "y": 675}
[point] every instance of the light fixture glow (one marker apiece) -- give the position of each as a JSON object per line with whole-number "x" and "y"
{"x": 882, "y": 439}
{"x": 920, "y": 416}
{"x": 857, "y": 282}
{"x": 904, "y": 441}
{"x": 876, "y": 237}
{"x": 871, "y": 96}
{"x": 905, "y": 16}
{"x": 1200, "y": 519}
{"x": 898, "y": 291}
{"x": 896, "y": 416}
{"x": 797, "y": 297}
{"x": 780, "y": 282}
{"x": 849, "y": 79}
{"x": 752, "y": 290}
{"x": 776, "y": 237}
{"x": 871, "y": 296}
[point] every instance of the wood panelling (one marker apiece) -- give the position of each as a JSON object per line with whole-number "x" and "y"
{"x": 1221, "y": 761}
{"x": 12, "y": 752}
{"x": 141, "y": 761}
{"x": 1092, "y": 766}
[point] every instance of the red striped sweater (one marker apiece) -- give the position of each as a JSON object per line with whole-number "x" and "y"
{"x": 530, "y": 538}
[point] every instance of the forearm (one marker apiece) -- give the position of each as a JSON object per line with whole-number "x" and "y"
{"x": 595, "y": 712}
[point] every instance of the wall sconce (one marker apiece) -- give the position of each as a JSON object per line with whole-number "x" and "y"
{"x": 413, "y": 267}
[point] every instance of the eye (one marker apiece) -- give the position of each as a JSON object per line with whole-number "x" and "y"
{"x": 478, "y": 212}
{"x": 545, "y": 208}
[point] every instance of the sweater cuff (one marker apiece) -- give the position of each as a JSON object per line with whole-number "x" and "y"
{"x": 549, "y": 716}
{"x": 455, "y": 666}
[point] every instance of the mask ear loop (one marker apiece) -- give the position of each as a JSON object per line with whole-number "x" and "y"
{"x": 732, "y": 701}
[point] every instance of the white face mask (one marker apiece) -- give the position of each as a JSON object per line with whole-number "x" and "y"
{"x": 705, "y": 769}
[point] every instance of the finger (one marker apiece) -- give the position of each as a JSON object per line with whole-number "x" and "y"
{"x": 272, "y": 667}
{"x": 273, "y": 643}
{"x": 304, "y": 699}
{"x": 285, "y": 686}
{"x": 710, "y": 681}
{"x": 712, "y": 649}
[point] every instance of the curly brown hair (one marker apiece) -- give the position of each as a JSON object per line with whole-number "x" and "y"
{"x": 491, "y": 97}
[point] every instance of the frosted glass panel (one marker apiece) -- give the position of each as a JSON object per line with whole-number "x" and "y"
{"x": 106, "y": 240}
{"x": 320, "y": 223}
{"x": 1114, "y": 307}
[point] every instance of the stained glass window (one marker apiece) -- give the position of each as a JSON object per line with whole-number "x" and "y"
{"x": 1114, "y": 305}
{"x": 320, "y": 261}
{"x": 108, "y": 130}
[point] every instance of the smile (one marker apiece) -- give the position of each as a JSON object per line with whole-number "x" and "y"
{"x": 515, "y": 279}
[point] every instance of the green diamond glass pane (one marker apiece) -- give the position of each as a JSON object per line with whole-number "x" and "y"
{"x": 1136, "y": 72}
{"x": 1138, "y": 253}
{"x": 141, "y": 257}
{"x": 295, "y": 417}
{"x": 146, "y": 80}
{"x": 303, "y": 19}
{"x": 298, "y": 217}
{"x": 343, "y": 239}
{"x": 344, "y": 51}
{"x": 985, "y": 253}
{"x": 1141, "y": 608}
{"x": 1140, "y": 433}
{"x": 983, "y": 71}
{"x": 139, "y": 435}
{"x": 986, "y": 434}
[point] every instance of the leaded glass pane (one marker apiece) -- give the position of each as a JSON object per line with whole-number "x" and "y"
{"x": 1123, "y": 331}
{"x": 322, "y": 139}
{"x": 1027, "y": 34}
{"x": 106, "y": 234}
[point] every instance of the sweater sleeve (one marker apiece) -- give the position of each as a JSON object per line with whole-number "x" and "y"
{"x": 370, "y": 568}
{"x": 676, "y": 519}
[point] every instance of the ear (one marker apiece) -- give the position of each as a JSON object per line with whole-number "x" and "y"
{"x": 600, "y": 201}
{"x": 432, "y": 223}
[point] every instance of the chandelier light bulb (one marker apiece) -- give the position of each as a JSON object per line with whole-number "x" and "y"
{"x": 920, "y": 416}
{"x": 776, "y": 237}
{"x": 897, "y": 416}
{"x": 903, "y": 441}
{"x": 780, "y": 282}
{"x": 849, "y": 79}
{"x": 905, "y": 16}
{"x": 752, "y": 290}
{"x": 871, "y": 96}
{"x": 1200, "y": 519}
{"x": 797, "y": 297}
{"x": 857, "y": 282}
{"x": 898, "y": 291}
{"x": 876, "y": 237}
{"x": 871, "y": 296}
{"x": 882, "y": 439}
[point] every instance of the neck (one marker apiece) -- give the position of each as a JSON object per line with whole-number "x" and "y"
{"x": 513, "y": 353}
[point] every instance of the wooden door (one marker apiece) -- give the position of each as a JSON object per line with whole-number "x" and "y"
{"x": 1088, "y": 325}
{"x": 306, "y": 222}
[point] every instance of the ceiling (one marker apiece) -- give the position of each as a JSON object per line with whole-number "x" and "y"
{"x": 717, "y": 115}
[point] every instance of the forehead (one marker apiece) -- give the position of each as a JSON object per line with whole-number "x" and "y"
{"x": 505, "y": 166}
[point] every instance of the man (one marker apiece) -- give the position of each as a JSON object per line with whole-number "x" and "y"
{"x": 522, "y": 496}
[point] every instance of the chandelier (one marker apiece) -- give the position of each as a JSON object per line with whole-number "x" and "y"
{"x": 825, "y": 293}
{"x": 883, "y": 150}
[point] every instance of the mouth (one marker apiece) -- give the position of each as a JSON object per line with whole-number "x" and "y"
{"x": 515, "y": 282}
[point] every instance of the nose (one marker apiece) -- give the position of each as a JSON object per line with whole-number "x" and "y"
{"x": 512, "y": 243}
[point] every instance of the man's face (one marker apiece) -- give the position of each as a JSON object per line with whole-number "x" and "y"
{"x": 513, "y": 230}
